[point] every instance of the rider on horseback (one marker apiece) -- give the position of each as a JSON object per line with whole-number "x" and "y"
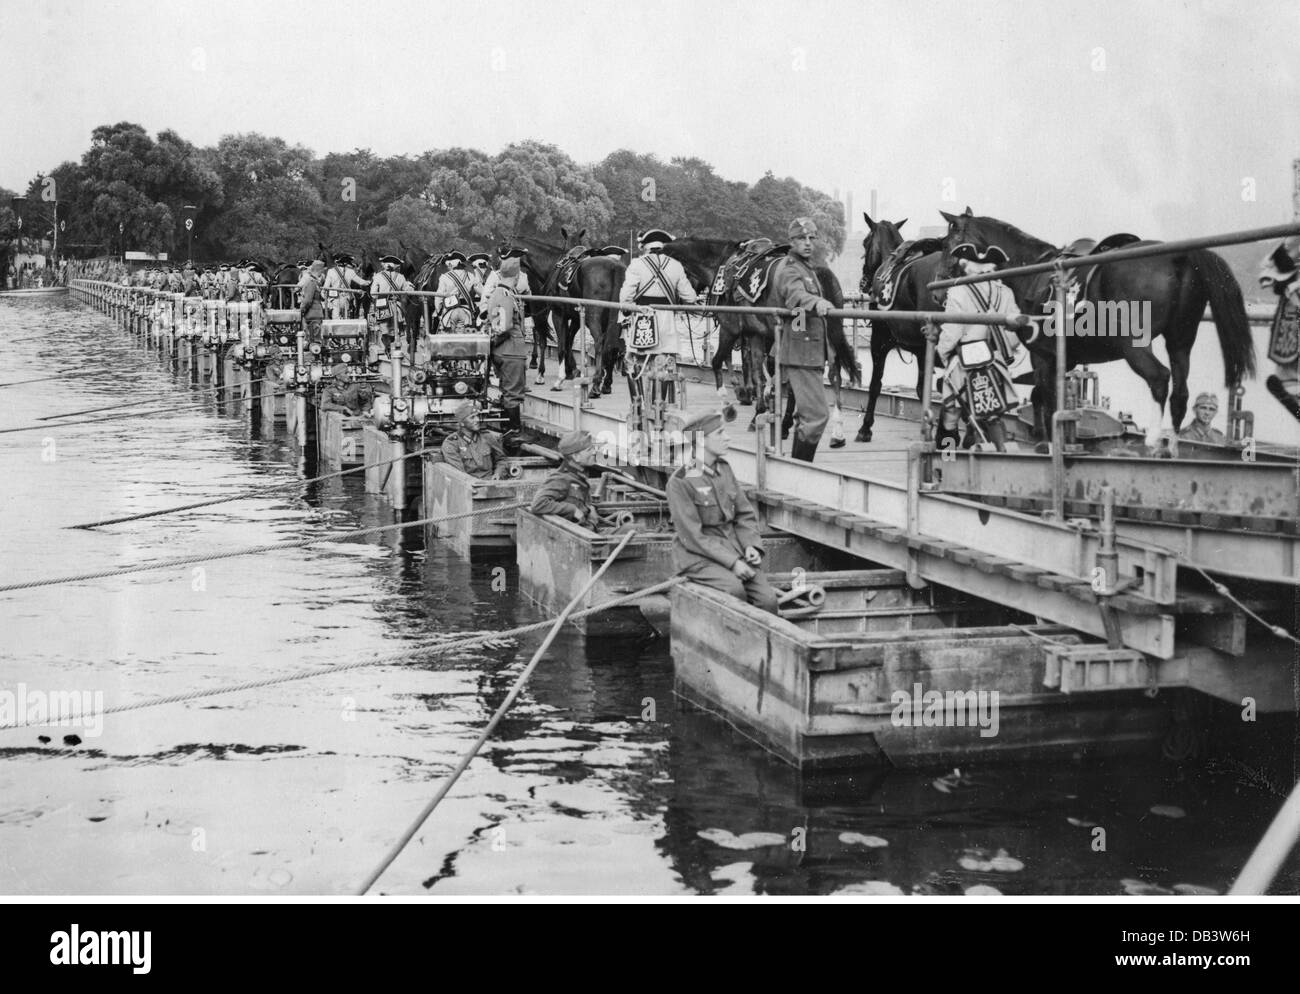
{"x": 975, "y": 298}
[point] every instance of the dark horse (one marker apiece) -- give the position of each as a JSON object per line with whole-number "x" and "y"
{"x": 701, "y": 258}
{"x": 1176, "y": 287}
{"x": 595, "y": 278}
{"x": 756, "y": 333}
{"x": 907, "y": 292}
{"x": 538, "y": 262}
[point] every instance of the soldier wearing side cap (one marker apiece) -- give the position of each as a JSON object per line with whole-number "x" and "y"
{"x": 342, "y": 395}
{"x": 505, "y": 319}
{"x": 311, "y": 298}
{"x": 1202, "y": 429}
{"x": 567, "y": 491}
{"x": 718, "y": 542}
{"x": 472, "y": 448}
{"x": 803, "y": 353}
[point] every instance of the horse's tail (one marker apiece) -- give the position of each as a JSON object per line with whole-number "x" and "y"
{"x": 843, "y": 361}
{"x": 1229, "y": 310}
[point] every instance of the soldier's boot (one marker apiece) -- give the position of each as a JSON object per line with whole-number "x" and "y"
{"x": 511, "y": 439}
{"x": 946, "y": 438}
{"x": 515, "y": 416}
{"x": 801, "y": 449}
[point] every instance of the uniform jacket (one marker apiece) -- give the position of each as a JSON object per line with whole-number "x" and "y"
{"x": 459, "y": 283}
{"x": 475, "y": 454}
{"x": 712, "y": 517}
{"x": 798, "y": 288}
{"x": 310, "y": 305}
{"x": 386, "y": 283}
{"x": 642, "y": 284}
{"x": 354, "y": 397}
{"x": 504, "y": 313}
{"x": 1194, "y": 432}
{"x": 494, "y": 280}
{"x": 565, "y": 491}
{"x": 341, "y": 278}
{"x": 978, "y": 298}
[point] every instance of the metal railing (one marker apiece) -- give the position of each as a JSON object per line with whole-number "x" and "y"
{"x": 1059, "y": 266}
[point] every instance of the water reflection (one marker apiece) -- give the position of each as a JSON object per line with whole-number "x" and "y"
{"x": 596, "y": 782}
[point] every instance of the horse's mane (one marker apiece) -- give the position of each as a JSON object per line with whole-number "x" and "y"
{"x": 1037, "y": 244}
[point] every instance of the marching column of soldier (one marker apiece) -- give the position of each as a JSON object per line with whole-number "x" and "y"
{"x": 717, "y": 540}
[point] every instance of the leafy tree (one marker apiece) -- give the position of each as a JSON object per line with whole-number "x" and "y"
{"x": 529, "y": 189}
{"x": 272, "y": 207}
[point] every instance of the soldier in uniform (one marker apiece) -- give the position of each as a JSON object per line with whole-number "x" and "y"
{"x": 456, "y": 307}
{"x": 505, "y": 321}
{"x": 803, "y": 354}
{"x": 718, "y": 542}
{"x": 311, "y": 299}
{"x": 1279, "y": 274}
{"x": 207, "y": 283}
{"x": 190, "y": 285}
{"x": 472, "y": 448}
{"x": 342, "y": 276}
{"x": 231, "y": 291}
{"x": 974, "y": 298}
{"x": 388, "y": 309}
{"x": 252, "y": 286}
{"x": 654, "y": 278}
{"x": 1202, "y": 429}
{"x": 519, "y": 282}
{"x": 345, "y": 396}
{"x": 567, "y": 491}
{"x": 479, "y": 267}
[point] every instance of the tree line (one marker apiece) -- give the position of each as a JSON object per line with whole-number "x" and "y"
{"x": 256, "y": 196}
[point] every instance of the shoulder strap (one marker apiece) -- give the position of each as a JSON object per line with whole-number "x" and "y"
{"x": 460, "y": 285}
{"x": 657, "y": 273}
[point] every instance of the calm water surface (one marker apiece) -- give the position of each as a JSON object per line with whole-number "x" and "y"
{"x": 301, "y": 788}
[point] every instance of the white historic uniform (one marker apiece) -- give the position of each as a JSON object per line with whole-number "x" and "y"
{"x": 338, "y": 278}
{"x": 655, "y": 278}
{"x": 977, "y": 298}
{"x": 643, "y": 279}
{"x": 456, "y": 304}
{"x": 385, "y": 283}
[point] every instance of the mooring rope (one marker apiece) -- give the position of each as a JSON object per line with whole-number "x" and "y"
{"x": 252, "y": 550}
{"x": 253, "y": 492}
{"x": 96, "y": 421}
{"x": 473, "y": 750}
{"x": 133, "y": 403}
{"x": 46, "y": 379}
{"x": 405, "y": 655}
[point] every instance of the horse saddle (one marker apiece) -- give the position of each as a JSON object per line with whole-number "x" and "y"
{"x": 568, "y": 265}
{"x": 749, "y": 271}
{"x": 885, "y": 285}
{"x": 1082, "y": 278}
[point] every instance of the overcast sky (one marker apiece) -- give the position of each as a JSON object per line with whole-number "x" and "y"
{"x": 1162, "y": 118}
